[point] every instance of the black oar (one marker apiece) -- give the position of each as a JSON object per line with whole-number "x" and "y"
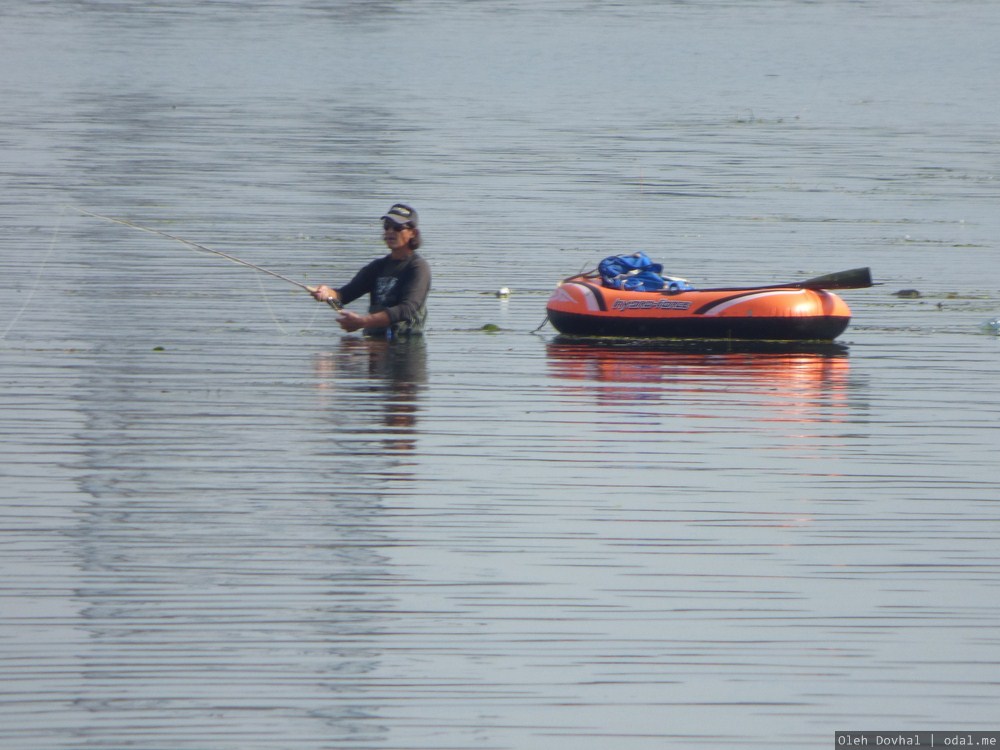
{"x": 855, "y": 278}
{"x": 196, "y": 246}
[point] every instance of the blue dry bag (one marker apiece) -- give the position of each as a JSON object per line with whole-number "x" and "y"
{"x": 637, "y": 273}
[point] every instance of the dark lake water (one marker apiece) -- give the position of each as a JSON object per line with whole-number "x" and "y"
{"x": 227, "y": 525}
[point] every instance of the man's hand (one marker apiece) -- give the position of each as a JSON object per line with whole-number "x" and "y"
{"x": 323, "y": 293}
{"x": 353, "y": 322}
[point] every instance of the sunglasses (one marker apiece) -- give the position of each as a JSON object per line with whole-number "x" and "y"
{"x": 389, "y": 224}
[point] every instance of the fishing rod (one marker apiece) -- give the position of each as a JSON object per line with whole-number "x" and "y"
{"x": 195, "y": 245}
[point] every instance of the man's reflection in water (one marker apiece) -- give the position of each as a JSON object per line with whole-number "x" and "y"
{"x": 394, "y": 372}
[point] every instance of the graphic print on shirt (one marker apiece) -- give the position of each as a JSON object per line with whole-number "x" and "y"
{"x": 384, "y": 287}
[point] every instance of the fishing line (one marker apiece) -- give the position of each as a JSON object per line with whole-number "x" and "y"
{"x": 38, "y": 278}
{"x": 232, "y": 258}
{"x": 274, "y": 316}
{"x": 196, "y": 246}
{"x": 267, "y": 304}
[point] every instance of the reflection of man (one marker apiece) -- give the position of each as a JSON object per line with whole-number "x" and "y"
{"x": 397, "y": 284}
{"x": 396, "y": 370}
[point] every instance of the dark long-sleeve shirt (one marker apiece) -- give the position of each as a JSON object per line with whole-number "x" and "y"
{"x": 398, "y": 287}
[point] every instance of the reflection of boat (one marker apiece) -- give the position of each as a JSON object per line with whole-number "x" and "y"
{"x": 790, "y": 376}
{"x": 582, "y": 306}
{"x": 697, "y": 346}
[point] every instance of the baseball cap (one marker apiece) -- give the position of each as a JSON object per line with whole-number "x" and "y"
{"x": 401, "y": 214}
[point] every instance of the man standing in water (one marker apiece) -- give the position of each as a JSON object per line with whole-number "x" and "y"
{"x": 397, "y": 284}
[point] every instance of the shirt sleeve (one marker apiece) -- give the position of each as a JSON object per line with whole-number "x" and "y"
{"x": 362, "y": 283}
{"x": 414, "y": 287}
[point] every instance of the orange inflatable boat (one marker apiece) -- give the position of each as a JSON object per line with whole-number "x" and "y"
{"x": 799, "y": 311}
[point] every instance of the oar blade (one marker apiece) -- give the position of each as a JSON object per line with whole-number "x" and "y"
{"x": 855, "y": 278}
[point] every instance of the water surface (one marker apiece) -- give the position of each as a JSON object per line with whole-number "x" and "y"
{"x": 226, "y": 525}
